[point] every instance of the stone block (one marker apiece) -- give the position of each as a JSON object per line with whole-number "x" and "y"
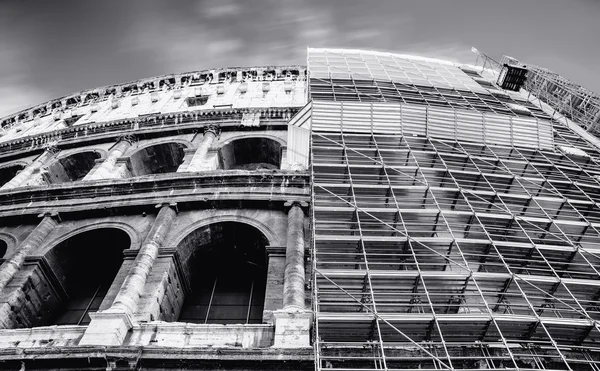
{"x": 191, "y": 335}
{"x": 107, "y": 328}
{"x": 292, "y": 328}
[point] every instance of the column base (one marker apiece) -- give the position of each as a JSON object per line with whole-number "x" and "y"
{"x": 107, "y": 329}
{"x": 292, "y": 328}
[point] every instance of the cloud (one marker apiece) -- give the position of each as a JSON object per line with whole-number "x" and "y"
{"x": 18, "y": 97}
{"x": 17, "y": 91}
{"x": 454, "y": 52}
{"x": 223, "y": 46}
{"x": 218, "y": 8}
{"x": 179, "y": 44}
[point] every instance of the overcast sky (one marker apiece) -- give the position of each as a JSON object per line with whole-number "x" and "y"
{"x": 50, "y": 48}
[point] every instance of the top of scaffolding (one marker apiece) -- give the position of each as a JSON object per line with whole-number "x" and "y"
{"x": 572, "y": 100}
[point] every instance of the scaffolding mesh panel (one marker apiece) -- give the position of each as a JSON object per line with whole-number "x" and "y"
{"x": 436, "y": 251}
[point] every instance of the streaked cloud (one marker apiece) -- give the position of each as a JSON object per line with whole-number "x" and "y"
{"x": 218, "y": 8}
{"x": 17, "y": 90}
{"x": 57, "y": 48}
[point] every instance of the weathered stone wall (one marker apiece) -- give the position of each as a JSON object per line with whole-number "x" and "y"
{"x": 36, "y": 292}
{"x": 132, "y": 160}
{"x": 30, "y": 298}
{"x": 156, "y": 178}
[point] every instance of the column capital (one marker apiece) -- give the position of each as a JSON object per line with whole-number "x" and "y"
{"x": 52, "y": 148}
{"x": 129, "y": 138}
{"x": 52, "y": 214}
{"x": 214, "y": 129}
{"x": 290, "y": 204}
{"x": 275, "y": 250}
{"x": 172, "y": 205}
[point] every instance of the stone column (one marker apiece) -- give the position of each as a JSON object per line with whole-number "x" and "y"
{"x": 293, "y": 284}
{"x": 274, "y": 286}
{"x": 164, "y": 289}
{"x": 198, "y": 161}
{"x": 109, "y": 327}
{"x": 284, "y": 159}
{"x": 35, "y": 239}
{"x": 26, "y": 175}
{"x": 109, "y": 168}
{"x": 292, "y": 323}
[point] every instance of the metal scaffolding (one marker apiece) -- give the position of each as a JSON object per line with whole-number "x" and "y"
{"x": 567, "y": 98}
{"x": 435, "y": 253}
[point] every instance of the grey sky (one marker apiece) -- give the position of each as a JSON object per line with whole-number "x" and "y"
{"x": 52, "y": 48}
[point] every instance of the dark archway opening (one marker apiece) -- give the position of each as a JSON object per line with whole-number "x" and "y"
{"x": 158, "y": 159}
{"x": 3, "y": 248}
{"x": 86, "y": 265}
{"x": 251, "y": 154}
{"x": 9, "y": 172}
{"x": 72, "y": 168}
{"x": 227, "y": 267}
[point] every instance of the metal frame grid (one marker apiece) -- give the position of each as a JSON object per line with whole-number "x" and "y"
{"x": 567, "y": 98}
{"x": 391, "y": 79}
{"x": 435, "y": 254}
{"x": 453, "y": 256}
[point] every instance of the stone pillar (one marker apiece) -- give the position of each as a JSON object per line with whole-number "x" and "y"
{"x": 198, "y": 161}
{"x": 109, "y": 168}
{"x": 110, "y": 327}
{"x": 292, "y": 323}
{"x": 293, "y": 284}
{"x": 164, "y": 293}
{"x": 29, "y": 172}
{"x": 274, "y": 286}
{"x": 284, "y": 159}
{"x": 35, "y": 239}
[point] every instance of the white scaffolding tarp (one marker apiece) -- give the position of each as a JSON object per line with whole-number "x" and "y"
{"x": 434, "y": 122}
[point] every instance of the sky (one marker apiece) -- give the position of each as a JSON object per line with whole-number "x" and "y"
{"x": 49, "y": 49}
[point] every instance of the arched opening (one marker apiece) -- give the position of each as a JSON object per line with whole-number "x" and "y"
{"x": 9, "y": 172}
{"x": 251, "y": 154}
{"x": 157, "y": 159}
{"x": 73, "y": 167}
{"x": 227, "y": 268}
{"x": 85, "y": 265}
{"x": 3, "y": 248}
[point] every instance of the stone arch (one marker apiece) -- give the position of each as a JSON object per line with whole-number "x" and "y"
{"x": 70, "y": 152}
{"x": 15, "y": 163}
{"x": 157, "y": 156}
{"x": 7, "y": 244}
{"x": 84, "y": 266}
{"x": 267, "y": 231}
{"x": 251, "y": 152}
{"x": 153, "y": 142}
{"x": 237, "y": 136}
{"x": 131, "y": 232}
{"x": 72, "y": 165}
{"x": 226, "y": 265}
{"x": 9, "y": 170}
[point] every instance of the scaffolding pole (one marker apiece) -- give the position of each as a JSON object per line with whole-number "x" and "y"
{"x": 452, "y": 251}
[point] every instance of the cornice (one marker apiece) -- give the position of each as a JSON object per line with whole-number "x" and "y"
{"x": 215, "y": 186}
{"x": 139, "y": 125}
{"x": 281, "y": 359}
{"x": 159, "y": 83}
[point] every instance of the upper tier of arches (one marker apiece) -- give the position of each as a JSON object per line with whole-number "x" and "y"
{"x": 130, "y": 157}
{"x": 62, "y": 108}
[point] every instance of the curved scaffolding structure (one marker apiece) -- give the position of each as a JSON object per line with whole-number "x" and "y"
{"x": 456, "y": 226}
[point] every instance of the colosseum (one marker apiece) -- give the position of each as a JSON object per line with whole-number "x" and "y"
{"x": 166, "y": 213}
{"x": 370, "y": 211}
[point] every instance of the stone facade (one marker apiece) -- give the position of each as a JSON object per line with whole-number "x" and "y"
{"x": 111, "y": 190}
